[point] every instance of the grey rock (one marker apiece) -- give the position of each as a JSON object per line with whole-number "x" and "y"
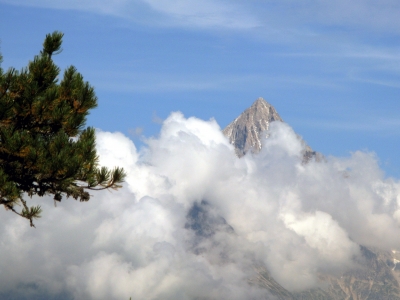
{"x": 246, "y": 132}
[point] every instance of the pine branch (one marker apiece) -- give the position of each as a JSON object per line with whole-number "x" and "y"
{"x": 27, "y": 213}
{"x": 45, "y": 148}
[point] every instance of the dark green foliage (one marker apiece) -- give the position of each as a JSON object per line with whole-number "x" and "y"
{"x": 44, "y": 145}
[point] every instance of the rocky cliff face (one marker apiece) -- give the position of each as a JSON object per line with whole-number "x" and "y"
{"x": 246, "y": 132}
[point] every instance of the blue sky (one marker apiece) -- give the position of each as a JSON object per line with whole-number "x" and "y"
{"x": 331, "y": 70}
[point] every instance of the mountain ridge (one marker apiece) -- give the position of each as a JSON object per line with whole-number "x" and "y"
{"x": 247, "y": 131}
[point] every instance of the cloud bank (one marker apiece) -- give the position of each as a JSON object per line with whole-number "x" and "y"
{"x": 193, "y": 221}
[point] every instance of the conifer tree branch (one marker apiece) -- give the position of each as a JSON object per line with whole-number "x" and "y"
{"x": 29, "y": 217}
{"x": 45, "y": 148}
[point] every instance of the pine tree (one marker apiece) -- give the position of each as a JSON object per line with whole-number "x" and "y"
{"x": 45, "y": 148}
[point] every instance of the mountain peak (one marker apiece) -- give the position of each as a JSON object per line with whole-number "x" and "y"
{"x": 246, "y": 130}
{"x": 264, "y": 106}
{"x": 260, "y": 101}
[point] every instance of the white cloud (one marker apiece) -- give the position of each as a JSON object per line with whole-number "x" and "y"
{"x": 115, "y": 7}
{"x": 358, "y": 35}
{"x": 193, "y": 220}
{"x": 214, "y": 14}
{"x": 207, "y": 14}
{"x": 383, "y": 126}
{"x": 280, "y": 17}
{"x": 324, "y": 234}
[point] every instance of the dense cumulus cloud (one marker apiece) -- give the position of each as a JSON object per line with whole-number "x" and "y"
{"x": 193, "y": 221}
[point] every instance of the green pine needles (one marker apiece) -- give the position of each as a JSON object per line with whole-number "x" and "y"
{"x": 45, "y": 148}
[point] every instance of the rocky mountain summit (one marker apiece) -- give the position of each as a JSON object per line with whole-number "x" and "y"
{"x": 246, "y": 132}
{"x": 376, "y": 278}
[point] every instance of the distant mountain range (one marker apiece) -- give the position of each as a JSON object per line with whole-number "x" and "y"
{"x": 377, "y": 279}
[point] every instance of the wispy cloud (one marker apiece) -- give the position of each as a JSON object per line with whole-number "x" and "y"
{"x": 216, "y": 14}
{"x": 305, "y": 17}
{"x": 387, "y": 83}
{"x": 154, "y": 82}
{"x": 336, "y": 15}
{"x": 115, "y": 7}
{"x": 204, "y": 14}
{"x": 388, "y": 126}
{"x": 374, "y": 53}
